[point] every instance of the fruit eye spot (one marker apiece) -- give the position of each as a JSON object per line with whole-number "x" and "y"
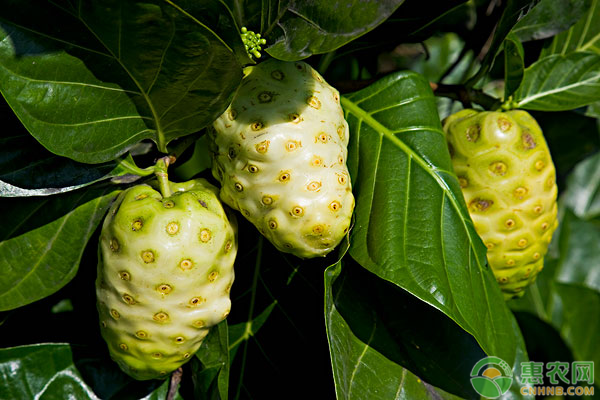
{"x": 503, "y": 279}
{"x": 179, "y": 339}
{"x": 238, "y": 186}
{"x": 539, "y": 165}
{"x": 273, "y": 224}
{"x": 141, "y": 196}
{"x": 205, "y": 235}
{"x": 520, "y": 192}
{"x": 299, "y": 67}
{"x": 262, "y": 147}
{"x": 341, "y": 160}
{"x": 228, "y": 246}
{"x": 114, "y": 245}
{"x": 196, "y": 300}
{"x": 342, "y": 179}
{"x": 124, "y": 275}
{"x": 284, "y": 177}
{"x": 504, "y": 124}
{"x": 536, "y": 256}
{"x": 198, "y": 324}
{"x": 509, "y": 223}
{"x": 161, "y": 316}
{"x": 472, "y": 133}
{"x": 538, "y": 209}
{"x": 317, "y": 161}
{"x": 478, "y": 204}
{"x": 253, "y": 168}
{"x": 277, "y": 75}
{"x": 228, "y": 288}
{"x": 340, "y": 132}
{"x": 169, "y": 204}
{"x": 115, "y": 314}
{"x": 544, "y": 226}
{"x": 267, "y": 201}
{"x": 213, "y": 276}
{"x": 313, "y": 102}
{"x": 186, "y": 355}
{"x": 294, "y": 118}
{"x": 463, "y": 182}
{"x": 336, "y": 97}
{"x": 510, "y": 262}
{"x": 123, "y": 347}
{"x": 265, "y": 97}
{"x": 522, "y": 243}
{"x": 103, "y": 324}
{"x": 313, "y": 186}
{"x": 288, "y": 246}
{"x": 256, "y": 126}
{"x": 528, "y": 140}
{"x": 297, "y": 211}
{"x": 550, "y": 183}
{"x": 164, "y": 288}
{"x": 156, "y": 355}
{"x": 231, "y": 153}
{"x": 291, "y": 145}
{"x": 498, "y": 168}
{"x": 335, "y": 205}
{"x": 232, "y": 114}
{"x": 128, "y": 299}
{"x": 148, "y": 256}
{"x": 172, "y": 228}
{"x": 323, "y": 138}
{"x": 489, "y": 245}
{"x": 318, "y": 229}
{"x": 137, "y": 224}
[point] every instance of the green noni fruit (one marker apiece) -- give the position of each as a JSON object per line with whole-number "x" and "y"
{"x": 164, "y": 275}
{"x": 280, "y": 154}
{"x": 508, "y": 180}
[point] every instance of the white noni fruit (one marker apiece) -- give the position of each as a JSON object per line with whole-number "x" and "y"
{"x": 280, "y": 154}
{"x": 164, "y": 275}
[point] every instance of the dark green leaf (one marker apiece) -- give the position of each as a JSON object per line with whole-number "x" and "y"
{"x": 515, "y": 9}
{"x": 560, "y": 82}
{"x": 550, "y": 17}
{"x": 514, "y": 64}
{"x": 61, "y": 371}
{"x": 583, "y": 36}
{"x": 214, "y": 356}
{"x": 241, "y": 332}
{"x": 412, "y": 226}
{"x": 314, "y": 27}
{"x": 43, "y": 241}
{"x": 583, "y": 194}
{"x": 89, "y": 79}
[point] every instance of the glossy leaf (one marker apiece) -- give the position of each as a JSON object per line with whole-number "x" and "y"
{"x": 412, "y": 225}
{"x": 514, "y": 64}
{"x": 560, "y": 82}
{"x": 43, "y": 241}
{"x": 214, "y": 356}
{"x": 89, "y": 79}
{"x": 583, "y": 36}
{"x": 304, "y": 28}
{"x": 583, "y": 196}
{"x": 59, "y": 371}
{"x": 550, "y": 17}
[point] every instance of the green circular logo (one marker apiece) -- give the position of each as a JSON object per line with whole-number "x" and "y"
{"x": 491, "y": 377}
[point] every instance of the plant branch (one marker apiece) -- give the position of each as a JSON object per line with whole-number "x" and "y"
{"x": 466, "y": 95}
{"x": 174, "y": 383}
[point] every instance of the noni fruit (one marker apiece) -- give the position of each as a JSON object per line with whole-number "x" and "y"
{"x": 508, "y": 180}
{"x": 280, "y": 154}
{"x": 164, "y": 275}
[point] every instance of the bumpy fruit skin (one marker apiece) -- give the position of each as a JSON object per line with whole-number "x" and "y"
{"x": 508, "y": 180}
{"x": 280, "y": 154}
{"x": 164, "y": 275}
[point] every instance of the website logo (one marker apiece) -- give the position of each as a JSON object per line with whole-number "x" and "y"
{"x": 491, "y": 377}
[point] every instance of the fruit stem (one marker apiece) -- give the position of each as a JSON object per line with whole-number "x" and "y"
{"x": 160, "y": 170}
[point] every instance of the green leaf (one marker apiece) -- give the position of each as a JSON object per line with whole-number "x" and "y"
{"x": 583, "y": 195}
{"x": 89, "y": 80}
{"x": 514, "y": 64}
{"x": 61, "y": 371}
{"x": 560, "y": 82}
{"x": 550, "y": 17}
{"x": 304, "y": 28}
{"x": 412, "y": 225}
{"x": 43, "y": 241}
{"x": 514, "y": 10}
{"x": 214, "y": 356}
{"x": 583, "y": 36}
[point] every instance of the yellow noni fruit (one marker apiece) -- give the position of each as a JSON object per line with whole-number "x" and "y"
{"x": 280, "y": 155}
{"x": 508, "y": 180}
{"x": 165, "y": 271}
